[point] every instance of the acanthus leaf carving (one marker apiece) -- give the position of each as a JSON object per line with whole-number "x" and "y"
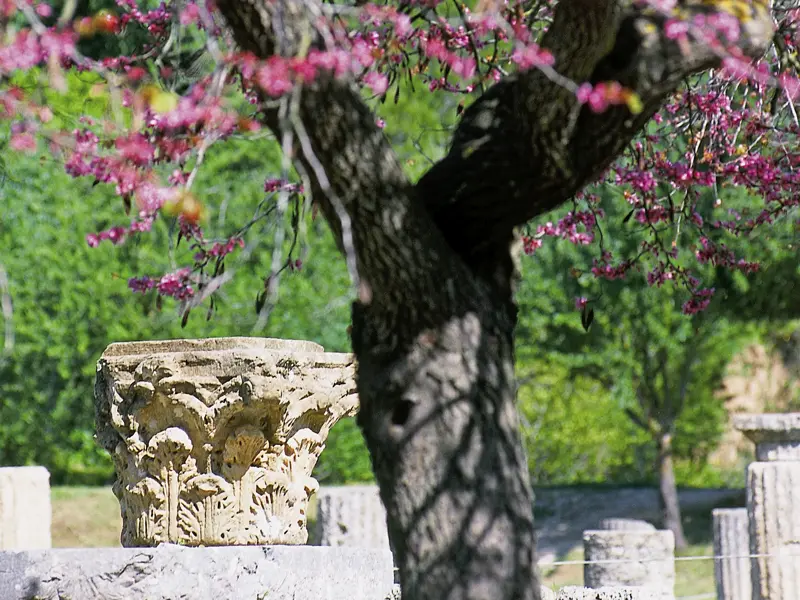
{"x": 214, "y": 441}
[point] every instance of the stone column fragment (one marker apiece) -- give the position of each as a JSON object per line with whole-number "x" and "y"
{"x": 351, "y": 515}
{"x": 25, "y": 512}
{"x": 773, "y": 503}
{"x": 732, "y": 538}
{"x": 630, "y": 558}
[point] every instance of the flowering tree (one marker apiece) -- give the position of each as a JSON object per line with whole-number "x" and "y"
{"x": 560, "y": 90}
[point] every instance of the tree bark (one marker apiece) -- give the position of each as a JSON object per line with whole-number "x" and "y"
{"x": 434, "y": 321}
{"x": 668, "y": 490}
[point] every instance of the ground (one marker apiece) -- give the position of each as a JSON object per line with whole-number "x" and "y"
{"x": 89, "y": 517}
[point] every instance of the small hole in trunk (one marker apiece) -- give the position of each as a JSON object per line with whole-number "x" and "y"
{"x": 401, "y": 412}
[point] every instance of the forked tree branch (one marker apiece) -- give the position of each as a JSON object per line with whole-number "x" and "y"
{"x": 527, "y": 146}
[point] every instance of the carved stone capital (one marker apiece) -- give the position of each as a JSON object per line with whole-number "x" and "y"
{"x": 214, "y": 440}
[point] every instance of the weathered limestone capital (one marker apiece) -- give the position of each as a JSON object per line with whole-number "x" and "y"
{"x": 214, "y": 440}
{"x": 776, "y": 436}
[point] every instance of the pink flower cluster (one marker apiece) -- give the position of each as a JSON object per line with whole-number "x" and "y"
{"x": 739, "y": 131}
{"x": 175, "y": 285}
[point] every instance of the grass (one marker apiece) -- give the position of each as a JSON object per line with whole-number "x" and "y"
{"x": 85, "y": 517}
{"x": 692, "y": 578}
{"x": 89, "y": 517}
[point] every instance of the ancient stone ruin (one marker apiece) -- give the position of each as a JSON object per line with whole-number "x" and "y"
{"x": 214, "y": 440}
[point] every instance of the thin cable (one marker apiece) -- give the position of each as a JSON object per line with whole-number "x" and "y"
{"x": 676, "y": 559}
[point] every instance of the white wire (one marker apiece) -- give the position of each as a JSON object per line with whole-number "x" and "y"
{"x": 559, "y": 563}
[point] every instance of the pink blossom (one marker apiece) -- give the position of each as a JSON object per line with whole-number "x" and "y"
{"x": 274, "y": 77}
{"x": 377, "y": 81}
{"x": 22, "y": 141}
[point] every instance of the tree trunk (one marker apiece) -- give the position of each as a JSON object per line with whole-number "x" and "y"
{"x": 434, "y": 321}
{"x": 668, "y": 490}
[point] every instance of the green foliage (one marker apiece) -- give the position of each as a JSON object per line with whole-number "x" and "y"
{"x": 71, "y": 301}
{"x": 641, "y": 358}
{"x": 345, "y": 459}
{"x": 574, "y": 430}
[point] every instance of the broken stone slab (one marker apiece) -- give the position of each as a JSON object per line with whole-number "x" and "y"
{"x": 776, "y": 435}
{"x": 351, "y": 515}
{"x": 641, "y": 559}
{"x": 171, "y": 572}
{"x": 732, "y": 539}
{"x": 214, "y": 440}
{"x": 25, "y": 512}
{"x": 607, "y": 593}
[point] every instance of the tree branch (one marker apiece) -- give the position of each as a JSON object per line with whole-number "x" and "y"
{"x": 526, "y": 146}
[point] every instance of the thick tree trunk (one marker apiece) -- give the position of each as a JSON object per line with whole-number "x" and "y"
{"x": 668, "y": 490}
{"x": 439, "y": 417}
{"x": 433, "y": 325}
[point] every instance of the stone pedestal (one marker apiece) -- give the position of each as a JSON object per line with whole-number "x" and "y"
{"x": 773, "y": 503}
{"x": 732, "y": 538}
{"x": 631, "y": 558}
{"x": 25, "y": 512}
{"x": 351, "y": 515}
{"x": 178, "y": 573}
{"x": 214, "y": 440}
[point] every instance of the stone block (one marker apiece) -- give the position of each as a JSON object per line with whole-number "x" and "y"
{"x": 351, "y": 515}
{"x": 607, "y": 593}
{"x": 25, "y": 511}
{"x": 732, "y": 538}
{"x": 630, "y": 559}
{"x": 170, "y": 572}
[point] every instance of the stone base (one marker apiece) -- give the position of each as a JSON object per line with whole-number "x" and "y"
{"x": 178, "y": 573}
{"x": 606, "y": 593}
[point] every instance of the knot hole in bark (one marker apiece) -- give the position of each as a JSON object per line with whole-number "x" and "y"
{"x": 401, "y": 412}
